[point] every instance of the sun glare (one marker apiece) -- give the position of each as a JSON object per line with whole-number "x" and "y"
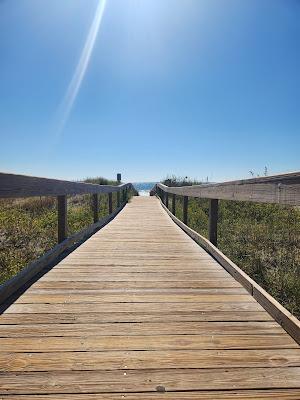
{"x": 79, "y": 73}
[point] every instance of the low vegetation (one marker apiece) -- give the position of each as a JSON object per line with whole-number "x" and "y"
{"x": 28, "y": 226}
{"x": 262, "y": 239}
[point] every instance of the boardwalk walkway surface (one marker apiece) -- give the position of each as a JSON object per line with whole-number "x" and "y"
{"x": 137, "y": 310}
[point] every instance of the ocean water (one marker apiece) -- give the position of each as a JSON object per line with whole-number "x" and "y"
{"x": 144, "y": 187}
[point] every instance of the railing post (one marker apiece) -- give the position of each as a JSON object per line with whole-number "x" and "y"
{"x": 167, "y": 199}
{"x": 96, "y": 207}
{"x": 118, "y": 193}
{"x": 174, "y": 204}
{"x": 185, "y": 209}
{"x": 110, "y": 205}
{"x": 213, "y": 221}
{"x": 61, "y": 218}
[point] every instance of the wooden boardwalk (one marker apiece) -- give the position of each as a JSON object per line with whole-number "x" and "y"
{"x": 138, "y": 310}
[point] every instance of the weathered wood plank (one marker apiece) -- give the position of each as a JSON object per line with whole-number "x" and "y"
{"x": 264, "y": 394}
{"x": 261, "y": 394}
{"x": 130, "y": 307}
{"x": 280, "y": 189}
{"x": 133, "y": 329}
{"x": 12, "y": 185}
{"x": 140, "y": 360}
{"x": 72, "y": 298}
{"x": 150, "y": 380}
{"x": 159, "y": 316}
{"x": 188, "y": 284}
{"x": 154, "y": 342}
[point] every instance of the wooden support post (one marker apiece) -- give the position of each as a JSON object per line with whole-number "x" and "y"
{"x": 96, "y": 207}
{"x": 185, "y": 209}
{"x": 167, "y": 199}
{"x": 110, "y": 205}
{"x": 118, "y": 193}
{"x": 213, "y": 221}
{"x": 174, "y": 204}
{"x": 62, "y": 230}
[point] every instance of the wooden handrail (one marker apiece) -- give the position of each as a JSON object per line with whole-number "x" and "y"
{"x": 280, "y": 189}
{"x": 13, "y": 186}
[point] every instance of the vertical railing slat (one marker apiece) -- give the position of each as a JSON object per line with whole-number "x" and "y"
{"x": 62, "y": 230}
{"x": 174, "y": 204}
{"x": 110, "y": 205}
{"x": 96, "y": 207}
{"x": 185, "y": 209}
{"x": 213, "y": 221}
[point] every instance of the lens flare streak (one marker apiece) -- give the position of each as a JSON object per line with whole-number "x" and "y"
{"x": 76, "y": 81}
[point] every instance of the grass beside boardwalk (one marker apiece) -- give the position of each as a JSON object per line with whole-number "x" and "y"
{"x": 28, "y": 226}
{"x": 262, "y": 239}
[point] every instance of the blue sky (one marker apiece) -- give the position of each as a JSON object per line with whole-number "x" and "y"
{"x": 194, "y": 88}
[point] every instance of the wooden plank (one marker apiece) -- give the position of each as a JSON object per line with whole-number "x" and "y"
{"x": 261, "y": 394}
{"x": 137, "y": 329}
{"x": 149, "y": 380}
{"x": 141, "y": 360}
{"x": 99, "y": 318}
{"x": 280, "y": 189}
{"x": 188, "y": 284}
{"x": 187, "y": 291}
{"x": 125, "y": 277}
{"x": 13, "y": 186}
{"x": 83, "y": 269}
{"x": 130, "y": 307}
{"x": 74, "y": 298}
{"x": 154, "y": 342}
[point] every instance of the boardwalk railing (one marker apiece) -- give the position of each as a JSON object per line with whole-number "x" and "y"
{"x": 281, "y": 189}
{"x": 20, "y": 186}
